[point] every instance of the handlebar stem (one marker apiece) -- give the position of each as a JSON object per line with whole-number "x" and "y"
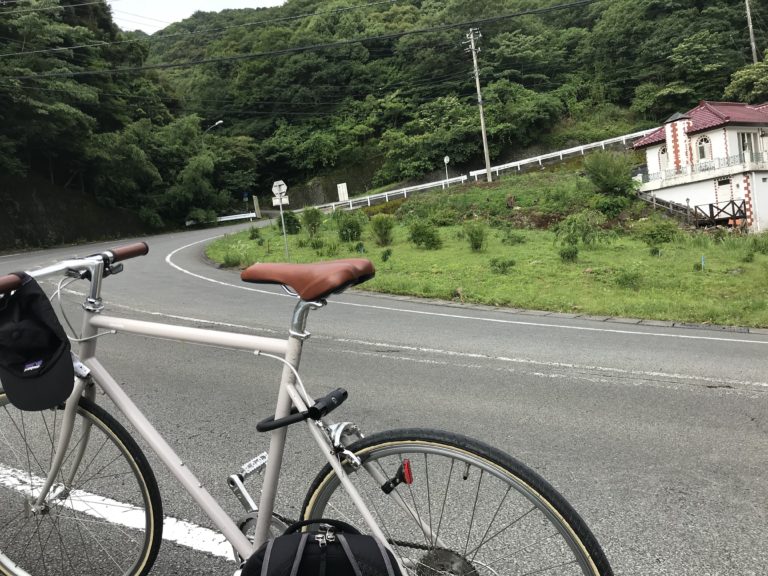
{"x": 93, "y": 302}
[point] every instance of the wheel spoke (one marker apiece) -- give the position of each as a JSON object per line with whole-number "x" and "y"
{"x": 470, "y": 511}
{"x": 76, "y": 531}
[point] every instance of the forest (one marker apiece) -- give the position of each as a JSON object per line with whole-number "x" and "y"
{"x": 188, "y": 122}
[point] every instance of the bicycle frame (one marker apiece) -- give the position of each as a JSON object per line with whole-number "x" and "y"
{"x": 289, "y": 350}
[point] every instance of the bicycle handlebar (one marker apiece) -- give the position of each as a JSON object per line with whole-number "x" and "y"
{"x": 128, "y": 251}
{"x": 11, "y": 282}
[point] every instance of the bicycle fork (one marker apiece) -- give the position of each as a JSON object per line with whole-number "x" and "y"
{"x": 83, "y": 387}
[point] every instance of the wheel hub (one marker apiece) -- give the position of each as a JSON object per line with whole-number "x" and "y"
{"x": 439, "y": 562}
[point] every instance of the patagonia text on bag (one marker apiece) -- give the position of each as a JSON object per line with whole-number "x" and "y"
{"x": 337, "y": 549}
{"x": 35, "y": 361}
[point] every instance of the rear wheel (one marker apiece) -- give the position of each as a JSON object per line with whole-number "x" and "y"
{"x": 101, "y": 517}
{"x": 471, "y": 510}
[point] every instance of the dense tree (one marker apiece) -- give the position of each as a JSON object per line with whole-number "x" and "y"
{"x": 314, "y": 87}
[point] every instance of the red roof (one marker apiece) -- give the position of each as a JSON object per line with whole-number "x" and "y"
{"x": 708, "y": 115}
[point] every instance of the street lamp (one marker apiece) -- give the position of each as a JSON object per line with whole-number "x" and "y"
{"x": 211, "y": 127}
{"x": 446, "y": 160}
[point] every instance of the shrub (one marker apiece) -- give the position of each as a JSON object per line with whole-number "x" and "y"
{"x": 655, "y": 251}
{"x": 231, "y": 259}
{"x": 655, "y": 231}
{"x": 425, "y": 235}
{"x": 386, "y": 254}
{"x": 292, "y": 224}
{"x": 316, "y": 243}
{"x": 629, "y": 279}
{"x": 476, "y": 235}
{"x": 382, "y": 226}
{"x": 444, "y": 216}
{"x": 611, "y": 206}
{"x": 311, "y": 220}
{"x": 584, "y": 227}
{"x": 610, "y": 172}
{"x": 512, "y": 238}
{"x": 330, "y": 249}
{"x": 390, "y": 207}
{"x": 254, "y": 233}
{"x": 349, "y": 226}
{"x": 359, "y": 248}
{"x": 501, "y": 265}
{"x": 569, "y": 253}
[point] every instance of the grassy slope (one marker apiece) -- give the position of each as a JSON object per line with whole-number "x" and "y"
{"x": 616, "y": 278}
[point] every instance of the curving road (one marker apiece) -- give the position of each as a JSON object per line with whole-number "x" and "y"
{"x": 658, "y": 435}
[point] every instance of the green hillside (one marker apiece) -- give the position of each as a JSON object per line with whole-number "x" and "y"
{"x": 315, "y": 92}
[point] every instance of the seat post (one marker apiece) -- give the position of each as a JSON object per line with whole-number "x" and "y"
{"x": 299, "y": 320}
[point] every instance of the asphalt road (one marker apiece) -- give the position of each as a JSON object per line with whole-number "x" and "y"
{"x": 657, "y": 434}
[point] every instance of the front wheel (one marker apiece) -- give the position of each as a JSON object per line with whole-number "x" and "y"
{"x": 470, "y": 509}
{"x": 103, "y": 514}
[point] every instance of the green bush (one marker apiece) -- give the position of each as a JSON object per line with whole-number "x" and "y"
{"x": 292, "y": 224}
{"x": 476, "y": 235}
{"x": 569, "y": 253}
{"x": 231, "y": 259}
{"x": 350, "y": 226}
{"x": 312, "y": 220}
{"x": 655, "y": 231}
{"x": 425, "y": 235}
{"x": 444, "y": 216}
{"x": 629, "y": 279}
{"x": 390, "y": 207}
{"x": 382, "y": 226}
{"x": 611, "y": 206}
{"x": 386, "y": 254}
{"x": 501, "y": 265}
{"x": 512, "y": 237}
{"x": 254, "y": 233}
{"x": 584, "y": 227}
{"x": 316, "y": 243}
{"x": 610, "y": 172}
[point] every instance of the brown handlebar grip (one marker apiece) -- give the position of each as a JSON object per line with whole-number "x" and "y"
{"x": 9, "y": 283}
{"x": 129, "y": 251}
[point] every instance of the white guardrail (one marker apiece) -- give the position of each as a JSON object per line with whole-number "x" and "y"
{"x": 445, "y": 183}
{"x": 561, "y": 154}
{"x": 390, "y": 195}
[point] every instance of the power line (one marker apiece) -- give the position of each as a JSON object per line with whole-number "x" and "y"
{"x": 49, "y": 8}
{"x": 187, "y": 33}
{"x": 299, "y": 49}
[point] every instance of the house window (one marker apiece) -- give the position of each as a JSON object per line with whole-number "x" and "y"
{"x": 663, "y": 158}
{"x": 747, "y": 143}
{"x": 704, "y": 147}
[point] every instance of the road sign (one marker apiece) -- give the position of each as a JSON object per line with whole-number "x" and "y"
{"x": 279, "y": 189}
{"x": 282, "y": 201}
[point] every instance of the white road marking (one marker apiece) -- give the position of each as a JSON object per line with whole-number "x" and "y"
{"x": 170, "y": 262}
{"x": 126, "y": 515}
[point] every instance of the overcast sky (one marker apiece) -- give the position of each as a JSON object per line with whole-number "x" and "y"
{"x": 154, "y": 15}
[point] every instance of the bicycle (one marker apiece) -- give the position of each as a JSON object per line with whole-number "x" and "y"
{"x": 443, "y": 503}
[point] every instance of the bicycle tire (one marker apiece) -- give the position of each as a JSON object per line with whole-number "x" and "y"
{"x": 108, "y": 520}
{"x": 514, "y": 523}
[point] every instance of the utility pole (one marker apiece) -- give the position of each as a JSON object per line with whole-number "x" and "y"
{"x": 474, "y": 34}
{"x": 751, "y": 33}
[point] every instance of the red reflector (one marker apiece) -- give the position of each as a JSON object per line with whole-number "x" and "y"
{"x": 407, "y": 474}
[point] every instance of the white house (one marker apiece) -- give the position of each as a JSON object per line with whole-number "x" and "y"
{"x": 714, "y": 159}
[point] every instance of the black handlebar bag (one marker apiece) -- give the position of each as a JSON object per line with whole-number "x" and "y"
{"x": 35, "y": 362}
{"x": 337, "y": 549}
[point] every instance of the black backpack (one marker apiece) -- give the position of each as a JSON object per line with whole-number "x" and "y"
{"x": 336, "y": 549}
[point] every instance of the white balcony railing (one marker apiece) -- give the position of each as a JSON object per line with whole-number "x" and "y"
{"x": 759, "y": 160}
